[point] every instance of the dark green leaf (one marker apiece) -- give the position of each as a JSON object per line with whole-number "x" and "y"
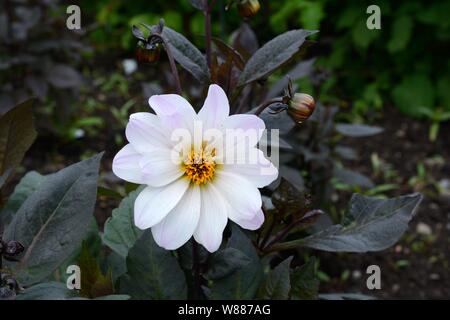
{"x": 17, "y": 133}
{"x": 53, "y": 219}
{"x": 371, "y": 224}
{"x": 118, "y": 265}
{"x": 357, "y": 130}
{"x": 225, "y": 262}
{"x": 93, "y": 282}
{"x": 244, "y": 283}
{"x": 277, "y": 284}
{"x": 353, "y": 178}
{"x": 413, "y": 93}
{"x": 345, "y": 296}
{"x": 29, "y": 183}
{"x": 47, "y": 291}
{"x": 401, "y": 33}
{"x": 304, "y": 282}
{"x": 186, "y": 54}
{"x": 114, "y": 297}
{"x": 120, "y": 232}
{"x": 272, "y": 55}
{"x": 153, "y": 273}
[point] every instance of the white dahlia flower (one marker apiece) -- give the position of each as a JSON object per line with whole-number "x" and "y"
{"x": 200, "y": 169}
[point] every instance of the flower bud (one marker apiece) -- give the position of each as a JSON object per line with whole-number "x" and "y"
{"x": 148, "y": 52}
{"x": 301, "y": 107}
{"x": 248, "y": 8}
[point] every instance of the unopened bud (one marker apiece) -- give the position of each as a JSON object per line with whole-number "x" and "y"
{"x": 301, "y": 107}
{"x": 248, "y": 8}
{"x": 148, "y": 52}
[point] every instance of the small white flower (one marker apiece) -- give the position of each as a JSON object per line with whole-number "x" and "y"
{"x": 194, "y": 186}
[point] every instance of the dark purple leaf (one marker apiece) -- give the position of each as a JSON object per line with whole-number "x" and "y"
{"x": 229, "y": 51}
{"x": 138, "y": 33}
{"x": 186, "y": 54}
{"x": 272, "y": 55}
{"x": 244, "y": 40}
{"x": 18, "y": 133}
{"x": 357, "y": 130}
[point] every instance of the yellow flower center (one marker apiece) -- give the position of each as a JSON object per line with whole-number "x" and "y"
{"x": 199, "y": 166}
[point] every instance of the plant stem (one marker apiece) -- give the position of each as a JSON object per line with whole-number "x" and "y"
{"x": 173, "y": 67}
{"x": 280, "y": 236}
{"x": 283, "y": 233}
{"x": 207, "y": 13}
{"x": 196, "y": 267}
{"x": 267, "y": 235}
{"x": 266, "y": 104}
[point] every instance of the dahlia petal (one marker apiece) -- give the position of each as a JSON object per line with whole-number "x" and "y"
{"x": 126, "y": 165}
{"x": 213, "y": 219}
{"x": 170, "y": 104}
{"x": 153, "y": 204}
{"x": 159, "y": 168}
{"x": 249, "y": 224}
{"x": 174, "y": 111}
{"x": 245, "y": 122}
{"x": 145, "y": 132}
{"x": 179, "y": 225}
{"x": 215, "y": 109}
{"x": 239, "y": 193}
{"x": 255, "y": 168}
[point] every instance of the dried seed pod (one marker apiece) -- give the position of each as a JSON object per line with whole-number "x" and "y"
{"x": 12, "y": 249}
{"x": 248, "y": 8}
{"x": 301, "y": 107}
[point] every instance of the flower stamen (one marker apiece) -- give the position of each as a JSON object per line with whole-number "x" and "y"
{"x": 200, "y": 166}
